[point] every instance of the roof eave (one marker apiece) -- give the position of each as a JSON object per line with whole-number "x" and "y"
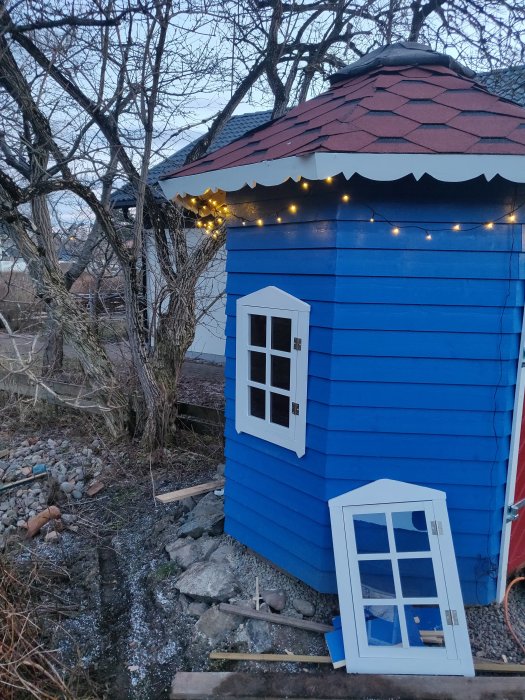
{"x": 446, "y": 167}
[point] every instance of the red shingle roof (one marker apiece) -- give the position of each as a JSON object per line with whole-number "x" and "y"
{"x": 428, "y": 109}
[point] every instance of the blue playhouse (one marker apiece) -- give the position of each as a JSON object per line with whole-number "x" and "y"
{"x": 375, "y": 301}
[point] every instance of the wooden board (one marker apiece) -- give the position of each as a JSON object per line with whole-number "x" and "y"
{"x": 191, "y": 491}
{"x": 487, "y": 666}
{"x": 296, "y": 658}
{"x": 277, "y": 619}
{"x": 12, "y": 484}
{"x": 336, "y": 684}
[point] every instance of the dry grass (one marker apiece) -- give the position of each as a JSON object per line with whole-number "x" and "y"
{"x": 27, "y": 670}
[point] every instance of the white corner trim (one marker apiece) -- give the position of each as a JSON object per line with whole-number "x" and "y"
{"x": 512, "y": 469}
{"x": 447, "y": 167}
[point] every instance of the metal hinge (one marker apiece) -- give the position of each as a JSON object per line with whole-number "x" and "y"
{"x": 297, "y": 342}
{"x": 295, "y": 408}
{"x": 436, "y": 527}
{"x": 513, "y": 511}
{"x": 451, "y": 617}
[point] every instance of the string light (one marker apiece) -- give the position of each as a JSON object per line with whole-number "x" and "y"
{"x": 211, "y": 219}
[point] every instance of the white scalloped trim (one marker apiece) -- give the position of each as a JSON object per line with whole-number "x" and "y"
{"x": 374, "y": 166}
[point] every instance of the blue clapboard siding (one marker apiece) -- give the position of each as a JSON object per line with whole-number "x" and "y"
{"x": 412, "y": 365}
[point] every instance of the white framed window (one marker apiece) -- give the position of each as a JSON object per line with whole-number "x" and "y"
{"x": 272, "y": 367}
{"x": 397, "y": 580}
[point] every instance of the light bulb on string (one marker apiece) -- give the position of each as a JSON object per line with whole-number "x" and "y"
{"x": 428, "y": 236}
{"x": 345, "y": 198}
{"x": 512, "y": 217}
{"x": 329, "y": 180}
{"x": 259, "y": 222}
{"x": 279, "y": 220}
{"x": 456, "y": 227}
{"x": 395, "y": 230}
{"x": 292, "y": 208}
{"x": 305, "y": 185}
{"x": 489, "y": 225}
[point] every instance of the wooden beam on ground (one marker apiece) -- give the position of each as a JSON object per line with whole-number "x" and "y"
{"x": 488, "y": 666}
{"x": 337, "y": 684}
{"x": 295, "y": 658}
{"x": 277, "y": 619}
{"x": 33, "y": 477}
{"x": 191, "y": 491}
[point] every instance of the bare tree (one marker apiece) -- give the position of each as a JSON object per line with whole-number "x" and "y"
{"x": 93, "y": 93}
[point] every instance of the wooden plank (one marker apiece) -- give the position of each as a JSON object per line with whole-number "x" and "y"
{"x": 295, "y": 658}
{"x": 487, "y": 666}
{"x": 309, "y": 625}
{"x": 171, "y": 496}
{"x": 206, "y": 413}
{"x": 329, "y": 684}
{"x": 12, "y": 484}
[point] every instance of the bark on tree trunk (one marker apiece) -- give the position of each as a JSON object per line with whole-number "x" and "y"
{"x": 53, "y": 356}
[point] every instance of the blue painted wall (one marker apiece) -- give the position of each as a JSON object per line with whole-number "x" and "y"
{"x": 412, "y": 365}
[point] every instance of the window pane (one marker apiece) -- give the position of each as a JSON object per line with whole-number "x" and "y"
{"x": 281, "y": 372}
{"x": 258, "y": 367}
{"x": 371, "y": 536}
{"x": 258, "y": 330}
{"x": 281, "y": 334}
{"x": 382, "y": 625}
{"x": 257, "y": 402}
{"x": 377, "y": 579}
{"x": 424, "y": 626}
{"x": 410, "y": 531}
{"x": 280, "y": 409}
{"x": 417, "y": 578}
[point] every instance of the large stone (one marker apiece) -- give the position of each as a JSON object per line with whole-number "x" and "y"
{"x": 225, "y": 552}
{"x": 207, "y": 516}
{"x": 255, "y": 637}
{"x": 209, "y": 582}
{"x": 304, "y": 607}
{"x": 275, "y": 599}
{"x": 186, "y": 552}
{"x": 215, "y": 624}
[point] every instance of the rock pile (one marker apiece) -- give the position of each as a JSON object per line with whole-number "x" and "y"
{"x": 64, "y": 467}
{"x": 207, "y": 570}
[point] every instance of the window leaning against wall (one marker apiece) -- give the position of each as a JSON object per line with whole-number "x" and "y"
{"x": 272, "y": 367}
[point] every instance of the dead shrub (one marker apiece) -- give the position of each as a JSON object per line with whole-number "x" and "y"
{"x": 27, "y": 670}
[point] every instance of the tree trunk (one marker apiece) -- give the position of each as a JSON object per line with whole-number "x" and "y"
{"x": 53, "y": 356}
